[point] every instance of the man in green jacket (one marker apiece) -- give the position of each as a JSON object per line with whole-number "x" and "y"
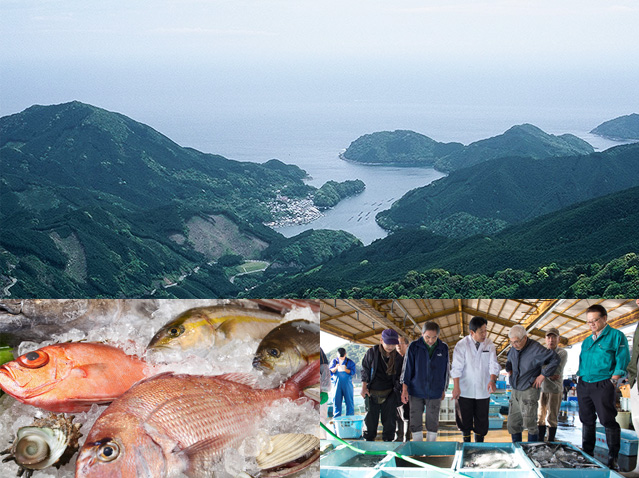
{"x": 602, "y": 362}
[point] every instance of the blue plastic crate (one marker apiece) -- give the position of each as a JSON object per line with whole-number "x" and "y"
{"x": 522, "y": 469}
{"x": 600, "y": 472}
{"x": 343, "y": 472}
{"x": 629, "y": 441}
{"x": 349, "y": 426}
{"x": 443, "y": 453}
{"x": 495, "y": 421}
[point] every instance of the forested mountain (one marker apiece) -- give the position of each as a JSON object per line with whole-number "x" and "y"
{"x": 413, "y": 149}
{"x": 485, "y": 198}
{"x": 621, "y": 128}
{"x": 582, "y": 237}
{"x": 94, "y": 204}
{"x": 400, "y": 147}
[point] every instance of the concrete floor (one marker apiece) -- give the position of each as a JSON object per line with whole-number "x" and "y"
{"x": 569, "y": 430}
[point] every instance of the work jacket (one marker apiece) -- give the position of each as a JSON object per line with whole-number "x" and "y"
{"x": 530, "y": 362}
{"x": 370, "y": 364}
{"x": 424, "y": 376}
{"x": 474, "y": 366}
{"x": 632, "y": 366}
{"x": 556, "y": 386}
{"x": 602, "y": 358}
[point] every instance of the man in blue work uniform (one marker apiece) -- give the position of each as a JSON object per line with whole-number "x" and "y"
{"x": 342, "y": 372}
{"x": 602, "y": 362}
{"x": 424, "y": 381}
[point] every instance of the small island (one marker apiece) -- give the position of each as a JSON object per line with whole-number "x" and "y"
{"x": 332, "y": 192}
{"x": 623, "y": 128}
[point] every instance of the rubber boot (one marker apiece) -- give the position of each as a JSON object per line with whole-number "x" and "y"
{"x": 418, "y": 436}
{"x": 552, "y": 431}
{"x": 516, "y": 437}
{"x": 533, "y": 437}
{"x": 542, "y": 432}
{"x": 466, "y": 436}
{"x": 431, "y": 436}
{"x": 588, "y": 439}
{"x": 479, "y": 438}
{"x": 613, "y": 438}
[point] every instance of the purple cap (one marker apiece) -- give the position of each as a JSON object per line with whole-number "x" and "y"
{"x": 390, "y": 337}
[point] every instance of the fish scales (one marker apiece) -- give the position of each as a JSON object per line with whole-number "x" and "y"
{"x": 173, "y": 422}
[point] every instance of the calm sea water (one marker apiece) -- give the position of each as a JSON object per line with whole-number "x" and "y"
{"x": 312, "y": 136}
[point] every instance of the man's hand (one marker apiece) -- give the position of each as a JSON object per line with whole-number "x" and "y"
{"x": 443, "y": 394}
{"x": 456, "y": 392}
{"x": 364, "y": 392}
{"x": 492, "y": 386}
{"x": 404, "y": 396}
{"x": 538, "y": 381}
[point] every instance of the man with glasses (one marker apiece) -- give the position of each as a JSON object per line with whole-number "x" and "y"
{"x": 602, "y": 362}
{"x": 529, "y": 363}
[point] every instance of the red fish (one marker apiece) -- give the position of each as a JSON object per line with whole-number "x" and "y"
{"x": 171, "y": 424}
{"x": 71, "y": 377}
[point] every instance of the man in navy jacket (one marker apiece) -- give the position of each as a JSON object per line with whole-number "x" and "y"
{"x": 424, "y": 381}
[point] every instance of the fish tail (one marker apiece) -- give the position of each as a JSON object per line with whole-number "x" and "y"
{"x": 308, "y": 377}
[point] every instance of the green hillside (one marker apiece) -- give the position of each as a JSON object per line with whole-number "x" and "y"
{"x": 621, "y": 128}
{"x": 408, "y": 148}
{"x": 523, "y": 140}
{"x": 95, "y": 204}
{"x": 307, "y": 249}
{"x": 401, "y": 147}
{"x": 487, "y": 197}
{"x": 332, "y": 192}
{"x": 581, "y": 237}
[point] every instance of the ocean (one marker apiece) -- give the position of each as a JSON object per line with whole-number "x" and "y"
{"x": 312, "y": 135}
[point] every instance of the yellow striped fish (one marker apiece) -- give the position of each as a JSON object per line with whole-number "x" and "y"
{"x": 204, "y": 327}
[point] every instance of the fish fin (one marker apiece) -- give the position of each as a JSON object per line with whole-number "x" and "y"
{"x": 203, "y": 446}
{"x": 307, "y": 377}
{"x": 248, "y": 379}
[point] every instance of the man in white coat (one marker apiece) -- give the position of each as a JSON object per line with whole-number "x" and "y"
{"x": 474, "y": 373}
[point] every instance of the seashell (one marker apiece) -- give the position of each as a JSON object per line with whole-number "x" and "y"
{"x": 287, "y": 453}
{"x": 49, "y": 441}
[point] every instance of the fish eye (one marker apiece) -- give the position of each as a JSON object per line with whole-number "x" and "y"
{"x": 108, "y": 452}
{"x": 274, "y": 352}
{"x": 176, "y": 331}
{"x": 33, "y": 359}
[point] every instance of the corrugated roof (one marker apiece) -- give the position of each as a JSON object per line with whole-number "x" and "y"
{"x": 362, "y": 320}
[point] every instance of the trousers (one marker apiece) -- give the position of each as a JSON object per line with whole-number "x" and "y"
{"x": 523, "y": 411}
{"x": 549, "y": 405}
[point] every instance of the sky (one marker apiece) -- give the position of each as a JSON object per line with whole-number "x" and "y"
{"x": 146, "y": 58}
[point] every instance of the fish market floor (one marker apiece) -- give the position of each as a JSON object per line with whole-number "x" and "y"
{"x": 569, "y": 430}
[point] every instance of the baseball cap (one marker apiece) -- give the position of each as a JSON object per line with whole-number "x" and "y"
{"x": 390, "y": 337}
{"x": 553, "y": 330}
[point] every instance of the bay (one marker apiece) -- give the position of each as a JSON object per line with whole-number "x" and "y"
{"x": 312, "y": 135}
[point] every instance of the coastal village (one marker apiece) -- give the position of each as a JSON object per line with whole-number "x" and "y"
{"x": 290, "y": 212}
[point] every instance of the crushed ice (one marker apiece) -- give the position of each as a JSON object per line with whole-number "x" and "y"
{"x": 132, "y": 332}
